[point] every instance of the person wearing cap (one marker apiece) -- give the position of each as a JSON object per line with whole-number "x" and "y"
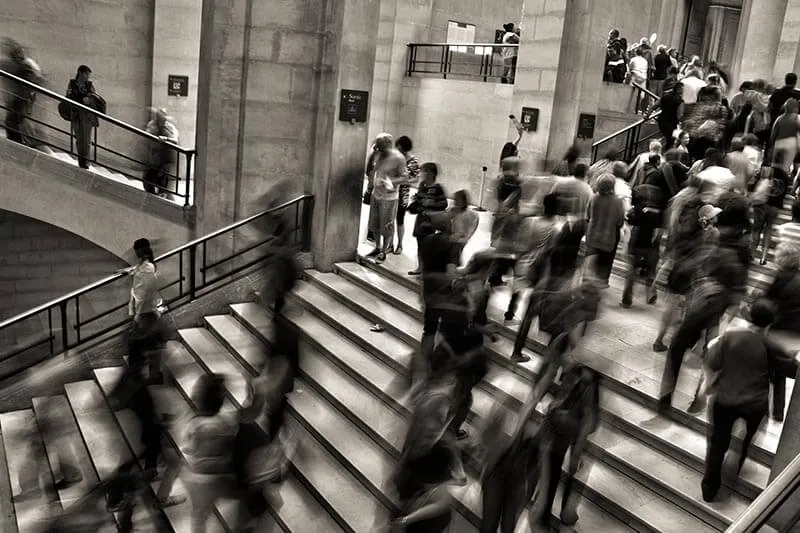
{"x": 161, "y": 155}
{"x": 80, "y": 89}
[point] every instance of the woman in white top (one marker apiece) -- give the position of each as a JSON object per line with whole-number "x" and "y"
{"x": 509, "y": 53}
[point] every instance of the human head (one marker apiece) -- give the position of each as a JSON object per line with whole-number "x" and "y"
{"x": 684, "y": 138}
{"x": 142, "y": 249}
{"x": 208, "y": 393}
{"x": 572, "y": 154}
{"x": 461, "y": 199}
{"x": 83, "y": 73}
{"x": 639, "y": 51}
{"x": 737, "y": 144}
{"x": 673, "y": 53}
{"x": 673, "y": 71}
{"x": 645, "y": 42}
{"x": 750, "y": 139}
{"x": 404, "y": 144}
{"x": 790, "y": 79}
{"x": 672, "y": 155}
{"x": 791, "y": 106}
{"x": 580, "y": 171}
{"x": 508, "y": 27}
{"x": 613, "y": 34}
{"x": 678, "y": 88}
{"x": 662, "y": 49}
{"x": 620, "y": 170}
{"x": 611, "y": 155}
{"x": 383, "y": 142}
{"x": 510, "y": 166}
{"x": 692, "y": 73}
{"x": 713, "y": 157}
{"x": 762, "y": 313}
{"x": 787, "y": 256}
{"x": 708, "y": 213}
{"x": 655, "y": 147}
{"x": 550, "y": 205}
{"x": 509, "y": 150}
{"x": 605, "y": 185}
{"x": 160, "y": 115}
{"x": 746, "y": 86}
{"x": 654, "y": 160}
{"x": 428, "y": 172}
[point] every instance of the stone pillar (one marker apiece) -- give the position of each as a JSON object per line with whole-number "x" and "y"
{"x": 176, "y": 50}
{"x": 789, "y": 45}
{"x": 580, "y": 75}
{"x": 348, "y": 63}
{"x": 758, "y": 39}
{"x": 542, "y": 28}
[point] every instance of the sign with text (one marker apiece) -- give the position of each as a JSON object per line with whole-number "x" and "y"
{"x": 586, "y": 124}
{"x": 529, "y": 118}
{"x": 353, "y": 106}
{"x": 177, "y": 85}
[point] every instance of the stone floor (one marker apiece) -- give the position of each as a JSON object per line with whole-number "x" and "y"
{"x": 621, "y": 339}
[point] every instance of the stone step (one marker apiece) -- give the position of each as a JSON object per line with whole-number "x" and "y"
{"x": 63, "y": 443}
{"x": 26, "y": 457}
{"x": 301, "y": 511}
{"x": 386, "y": 424}
{"x": 106, "y": 445}
{"x": 617, "y": 377}
{"x": 8, "y": 517}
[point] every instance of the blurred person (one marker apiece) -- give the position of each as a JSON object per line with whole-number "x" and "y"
{"x": 147, "y": 332}
{"x": 785, "y": 132}
{"x": 207, "y": 447}
{"x": 463, "y": 221}
{"x": 605, "y": 217}
{"x": 719, "y": 282}
{"x": 542, "y": 235}
{"x": 81, "y": 90}
{"x": 692, "y": 84}
{"x": 753, "y": 151}
{"x": 789, "y": 232}
{"x": 369, "y": 175}
{"x": 671, "y": 106}
{"x": 706, "y": 122}
{"x": 404, "y": 145}
{"x": 638, "y": 73}
{"x": 717, "y": 179}
{"x": 390, "y": 172}
{"x": 601, "y": 166}
{"x": 156, "y": 178}
{"x": 424, "y": 471}
{"x": 622, "y": 188}
{"x": 506, "y": 220}
{"x": 758, "y": 121}
{"x": 780, "y": 96}
{"x": 429, "y": 200}
{"x": 20, "y": 99}
{"x": 775, "y": 182}
{"x": 512, "y": 149}
{"x": 573, "y": 193}
{"x": 675, "y": 172}
{"x": 510, "y": 53}
{"x": 661, "y": 66}
{"x": 744, "y": 361}
{"x": 649, "y": 202}
{"x": 566, "y": 166}
{"x": 739, "y": 164}
{"x": 635, "y": 168}
{"x": 671, "y": 79}
{"x": 738, "y": 100}
{"x": 682, "y": 146}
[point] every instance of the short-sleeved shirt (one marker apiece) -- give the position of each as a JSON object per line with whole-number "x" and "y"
{"x": 391, "y": 165}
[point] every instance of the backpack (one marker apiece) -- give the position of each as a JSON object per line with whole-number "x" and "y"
{"x": 579, "y": 385}
{"x": 688, "y": 224}
{"x": 647, "y": 205}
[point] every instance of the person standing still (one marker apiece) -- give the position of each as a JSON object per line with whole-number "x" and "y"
{"x": 510, "y": 53}
{"x": 390, "y": 173}
{"x": 79, "y": 89}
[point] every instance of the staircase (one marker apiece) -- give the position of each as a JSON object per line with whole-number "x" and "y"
{"x": 641, "y": 472}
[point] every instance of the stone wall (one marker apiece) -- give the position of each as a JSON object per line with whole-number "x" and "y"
{"x": 461, "y": 125}
{"x": 40, "y": 262}
{"x": 486, "y": 15}
{"x": 113, "y": 37}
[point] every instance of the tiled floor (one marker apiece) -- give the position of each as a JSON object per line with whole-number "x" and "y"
{"x": 619, "y": 342}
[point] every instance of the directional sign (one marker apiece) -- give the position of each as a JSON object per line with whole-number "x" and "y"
{"x": 353, "y": 106}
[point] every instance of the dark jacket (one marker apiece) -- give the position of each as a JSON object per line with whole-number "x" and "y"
{"x": 429, "y": 198}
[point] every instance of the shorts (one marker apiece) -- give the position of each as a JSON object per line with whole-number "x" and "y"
{"x": 382, "y": 215}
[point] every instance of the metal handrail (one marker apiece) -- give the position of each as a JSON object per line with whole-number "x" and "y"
{"x": 105, "y": 281}
{"x": 480, "y": 45}
{"x": 87, "y": 109}
{"x": 770, "y": 499}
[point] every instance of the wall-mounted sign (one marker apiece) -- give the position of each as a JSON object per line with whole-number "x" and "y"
{"x": 586, "y": 124}
{"x": 353, "y": 106}
{"x": 177, "y": 85}
{"x": 529, "y": 118}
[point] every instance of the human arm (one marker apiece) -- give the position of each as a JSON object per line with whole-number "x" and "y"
{"x": 714, "y": 355}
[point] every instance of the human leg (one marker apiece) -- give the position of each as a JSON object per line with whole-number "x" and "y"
{"x": 722, "y": 419}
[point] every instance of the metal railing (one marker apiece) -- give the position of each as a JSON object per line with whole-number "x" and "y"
{"x": 472, "y": 61}
{"x": 185, "y": 273}
{"x": 628, "y": 142}
{"x": 133, "y": 151}
{"x": 773, "y": 509}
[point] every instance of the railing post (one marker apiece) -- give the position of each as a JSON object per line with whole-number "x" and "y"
{"x": 64, "y": 330}
{"x": 308, "y": 210}
{"x": 189, "y": 157}
{"x": 410, "y": 59}
{"x": 95, "y": 142}
{"x": 192, "y": 271}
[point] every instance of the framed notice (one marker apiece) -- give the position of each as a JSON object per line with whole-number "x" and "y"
{"x": 586, "y": 123}
{"x": 529, "y": 118}
{"x": 353, "y": 106}
{"x": 177, "y": 85}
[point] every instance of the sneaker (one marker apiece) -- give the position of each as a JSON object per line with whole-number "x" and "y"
{"x": 519, "y": 358}
{"x": 659, "y": 346}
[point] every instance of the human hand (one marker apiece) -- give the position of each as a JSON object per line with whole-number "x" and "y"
{"x": 128, "y": 270}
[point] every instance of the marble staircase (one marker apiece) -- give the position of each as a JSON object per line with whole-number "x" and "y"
{"x": 641, "y": 473}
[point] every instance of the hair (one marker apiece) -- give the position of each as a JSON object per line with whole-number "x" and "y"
{"x": 620, "y": 170}
{"x": 737, "y": 144}
{"x": 787, "y": 256}
{"x": 714, "y": 158}
{"x": 509, "y": 150}
{"x": 662, "y": 48}
{"x": 614, "y": 33}
{"x": 208, "y": 393}
{"x": 746, "y": 86}
{"x": 462, "y": 195}
{"x": 790, "y": 79}
{"x": 678, "y": 86}
{"x": 550, "y": 203}
{"x": 404, "y": 144}
{"x": 605, "y": 185}
{"x": 655, "y": 147}
{"x": 639, "y": 51}
{"x": 655, "y": 160}
{"x": 750, "y": 139}
{"x": 142, "y": 249}
{"x": 430, "y": 168}
{"x": 672, "y": 155}
{"x": 508, "y": 26}
{"x": 384, "y": 139}
{"x": 580, "y": 171}
{"x": 791, "y": 106}
{"x": 673, "y": 70}
{"x": 83, "y": 69}
{"x": 762, "y": 313}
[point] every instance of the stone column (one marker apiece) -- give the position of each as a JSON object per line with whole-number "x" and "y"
{"x": 176, "y": 50}
{"x": 758, "y": 39}
{"x": 542, "y": 28}
{"x": 713, "y": 35}
{"x": 348, "y": 63}
{"x": 789, "y": 45}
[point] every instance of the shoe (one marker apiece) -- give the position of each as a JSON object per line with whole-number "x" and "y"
{"x": 708, "y": 493}
{"x": 625, "y": 305}
{"x": 381, "y": 257}
{"x": 172, "y": 501}
{"x": 665, "y": 404}
{"x": 414, "y": 272}
{"x": 697, "y": 405}
{"x": 762, "y": 262}
{"x": 659, "y": 346}
{"x": 398, "y": 250}
{"x": 519, "y": 358}
{"x": 653, "y": 298}
{"x": 374, "y": 253}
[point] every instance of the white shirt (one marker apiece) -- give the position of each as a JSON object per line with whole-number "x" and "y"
{"x": 691, "y": 88}
{"x": 639, "y": 66}
{"x": 510, "y": 37}
{"x": 144, "y": 290}
{"x": 721, "y": 180}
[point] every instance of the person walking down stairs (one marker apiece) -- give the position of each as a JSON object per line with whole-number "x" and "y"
{"x": 156, "y": 177}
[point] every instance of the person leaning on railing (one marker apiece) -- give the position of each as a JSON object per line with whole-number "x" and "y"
{"x": 80, "y": 89}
